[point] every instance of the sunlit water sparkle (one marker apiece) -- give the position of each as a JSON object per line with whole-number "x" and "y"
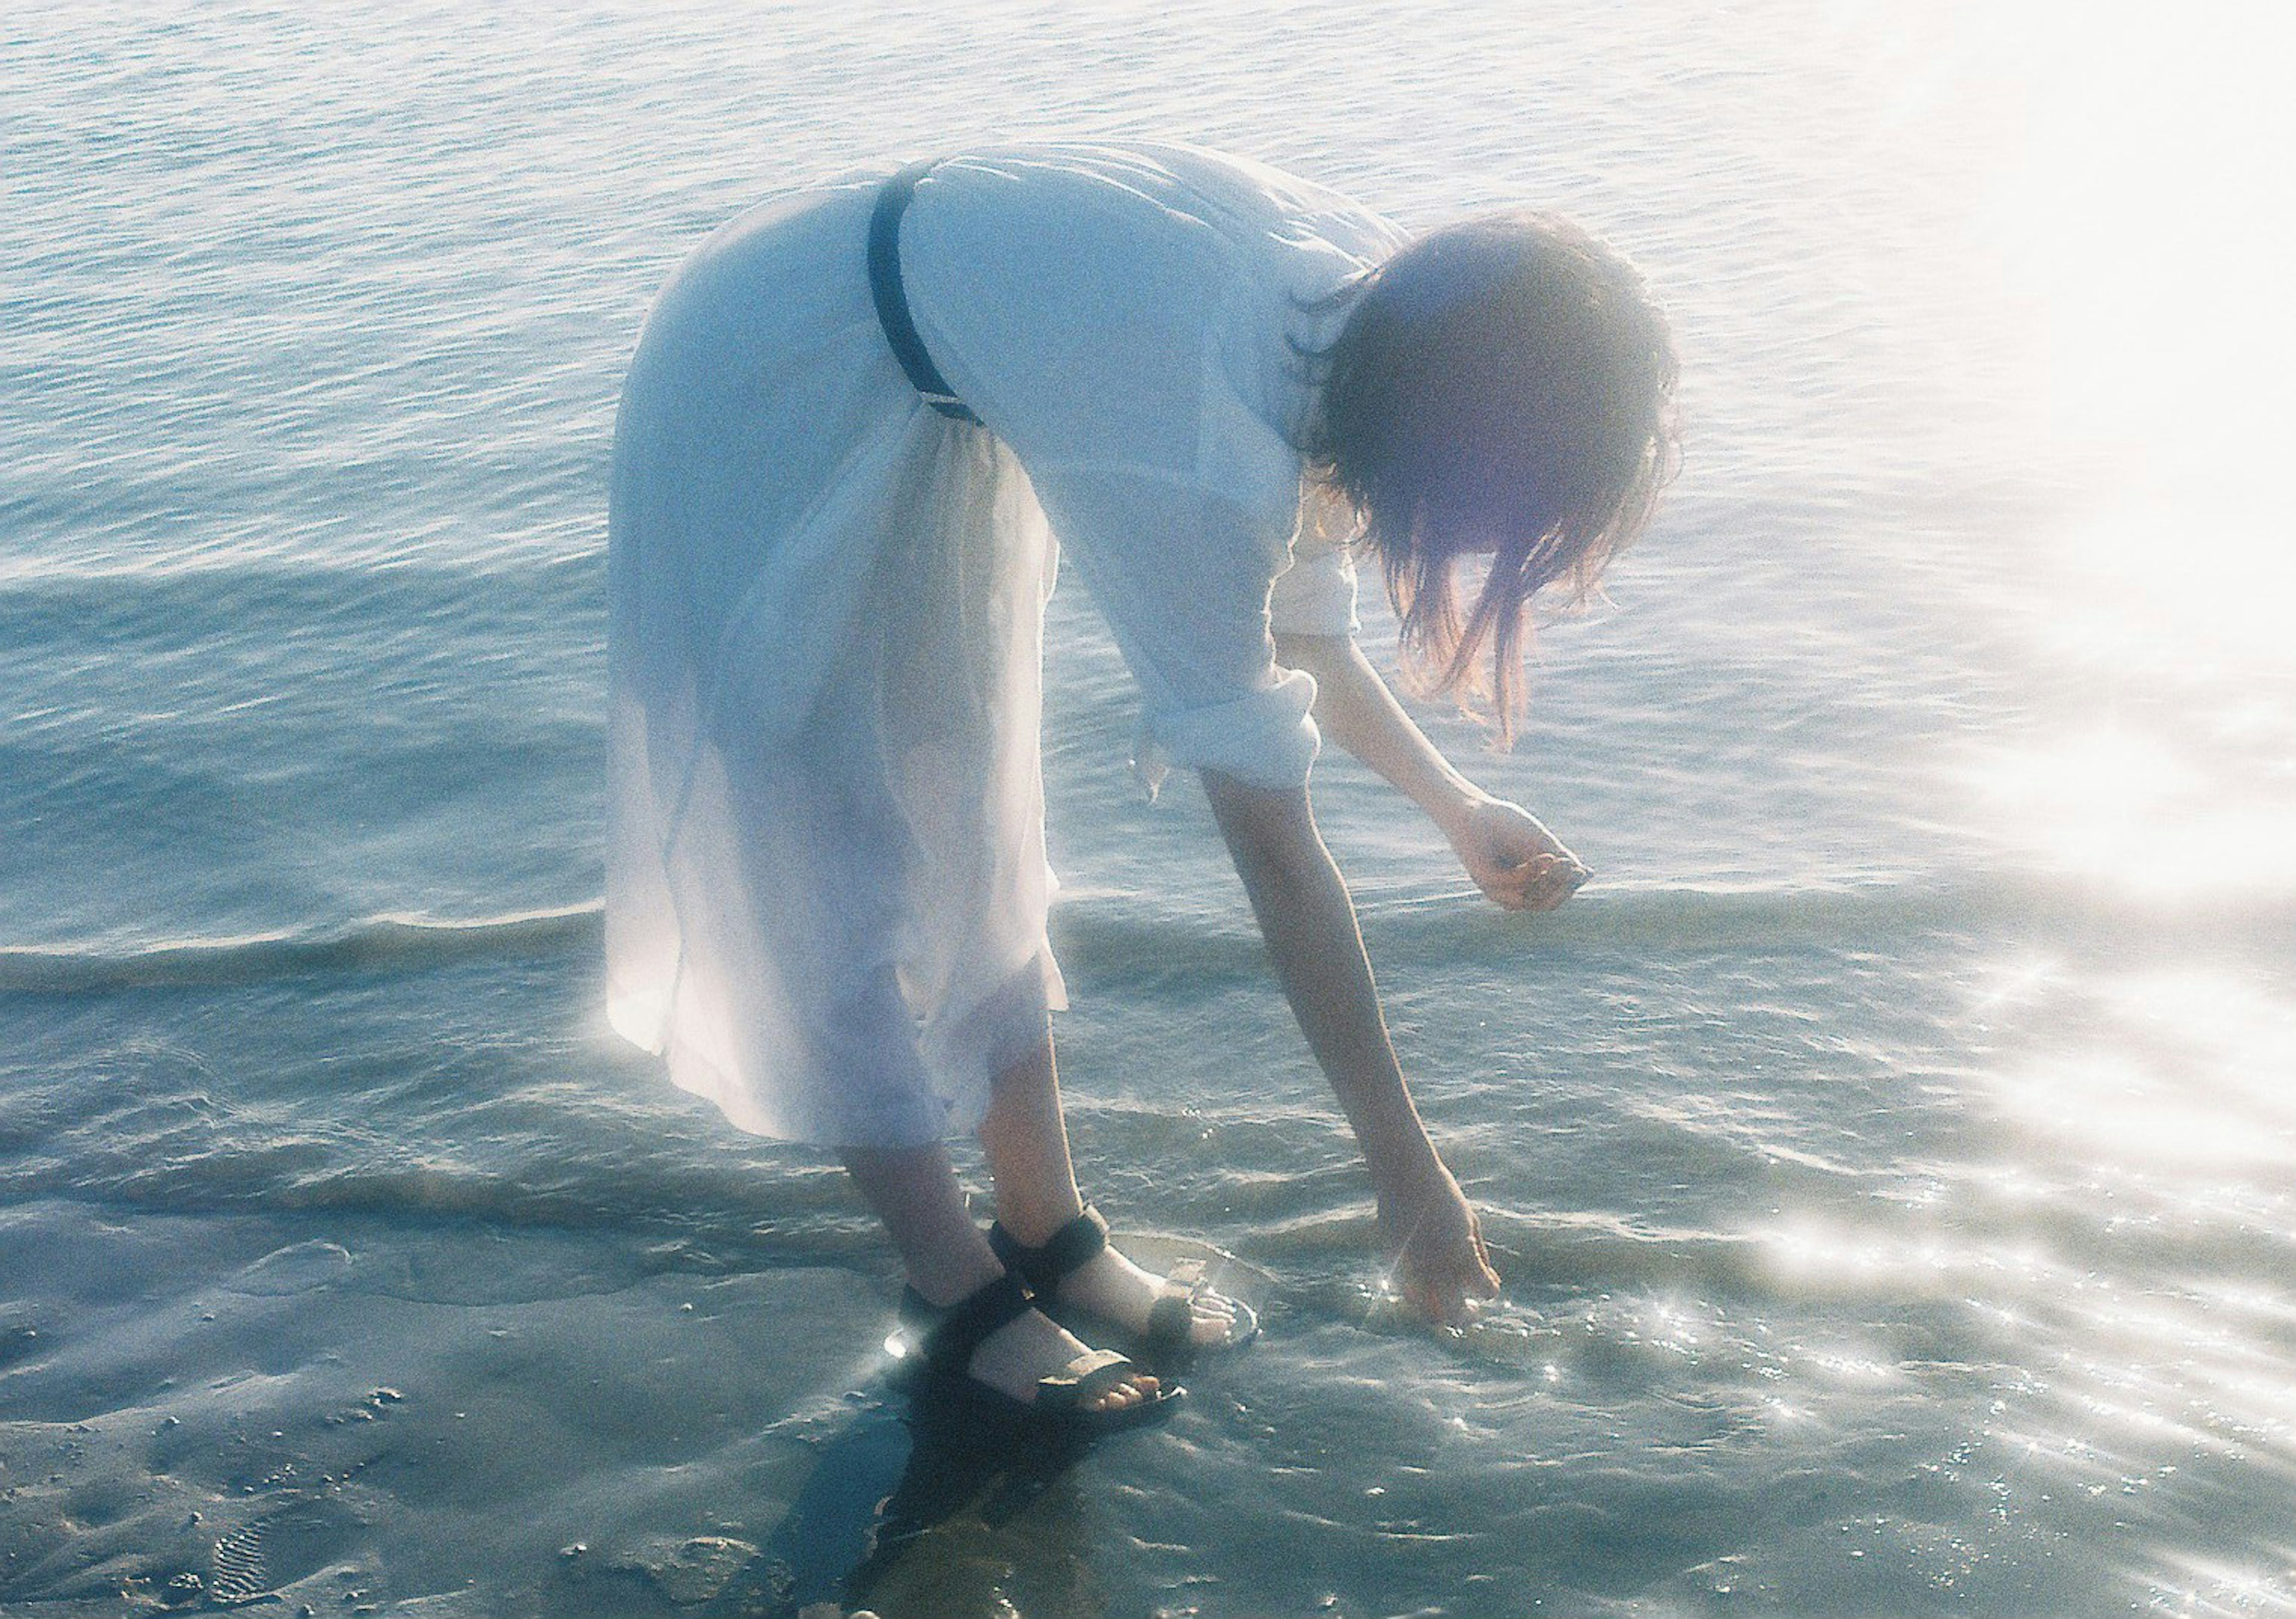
{"x": 1889, "y": 1155}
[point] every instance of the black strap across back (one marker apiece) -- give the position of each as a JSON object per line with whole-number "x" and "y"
{"x": 892, "y": 299}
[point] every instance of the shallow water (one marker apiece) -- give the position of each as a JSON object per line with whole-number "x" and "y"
{"x": 1891, "y": 1155}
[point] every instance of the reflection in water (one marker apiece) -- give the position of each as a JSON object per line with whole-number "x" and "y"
{"x": 862, "y": 1532}
{"x": 1834, "y": 1287}
{"x": 928, "y": 1501}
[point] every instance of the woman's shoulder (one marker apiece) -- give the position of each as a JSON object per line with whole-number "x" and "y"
{"x": 1132, "y": 303}
{"x": 1160, "y": 188}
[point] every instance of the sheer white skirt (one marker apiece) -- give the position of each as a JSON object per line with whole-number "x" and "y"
{"x": 826, "y": 884}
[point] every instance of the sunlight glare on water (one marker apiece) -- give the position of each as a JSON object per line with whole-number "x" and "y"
{"x": 2140, "y": 816}
{"x": 2152, "y": 1075}
{"x": 2145, "y": 215}
{"x": 1891, "y": 1158}
{"x": 2142, "y": 221}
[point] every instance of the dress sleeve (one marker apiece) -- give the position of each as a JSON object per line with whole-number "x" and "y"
{"x": 1111, "y": 330}
{"x": 1316, "y": 594}
{"x": 1181, "y": 575}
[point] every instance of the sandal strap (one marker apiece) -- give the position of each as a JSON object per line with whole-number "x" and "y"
{"x": 1074, "y": 1245}
{"x": 1172, "y": 1317}
{"x": 947, "y": 1338}
{"x": 1086, "y": 1379}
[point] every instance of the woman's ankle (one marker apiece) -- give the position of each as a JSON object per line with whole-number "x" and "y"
{"x": 1031, "y": 1219}
{"x": 946, "y": 1280}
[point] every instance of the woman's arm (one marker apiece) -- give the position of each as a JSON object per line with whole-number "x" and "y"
{"x": 1310, "y": 924}
{"x": 1513, "y": 858}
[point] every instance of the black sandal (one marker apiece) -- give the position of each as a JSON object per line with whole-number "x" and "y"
{"x": 1172, "y": 1319}
{"x": 944, "y": 1341}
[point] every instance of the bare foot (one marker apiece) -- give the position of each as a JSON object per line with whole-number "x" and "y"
{"x": 1115, "y": 1289}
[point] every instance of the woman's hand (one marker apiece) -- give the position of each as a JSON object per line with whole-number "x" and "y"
{"x": 1440, "y": 1261}
{"x": 1517, "y": 862}
{"x": 1513, "y": 859}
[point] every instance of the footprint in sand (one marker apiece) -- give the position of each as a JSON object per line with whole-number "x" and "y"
{"x": 285, "y": 1544}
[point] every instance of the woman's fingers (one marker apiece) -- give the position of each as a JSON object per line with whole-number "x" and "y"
{"x": 1556, "y": 885}
{"x": 1520, "y": 876}
{"x": 1538, "y": 884}
{"x": 1443, "y": 1286}
{"x": 1448, "y": 1300}
{"x": 1438, "y": 1303}
{"x": 1425, "y": 1298}
{"x": 1516, "y": 861}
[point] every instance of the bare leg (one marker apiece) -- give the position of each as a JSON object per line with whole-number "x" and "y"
{"x": 1026, "y": 1140}
{"x": 914, "y": 1192}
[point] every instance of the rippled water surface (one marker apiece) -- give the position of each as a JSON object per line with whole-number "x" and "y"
{"x": 1892, "y": 1155}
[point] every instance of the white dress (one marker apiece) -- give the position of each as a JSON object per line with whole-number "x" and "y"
{"x": 826, "y": 886}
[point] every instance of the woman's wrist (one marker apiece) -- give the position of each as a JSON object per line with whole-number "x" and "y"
{"x": 1403, "y": 1171}
{"x": 1452, "y": 802}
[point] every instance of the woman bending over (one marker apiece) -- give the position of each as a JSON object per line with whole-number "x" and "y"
{"x": 856, "y": 421}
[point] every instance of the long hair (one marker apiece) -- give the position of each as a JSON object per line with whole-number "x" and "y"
{"x": 1502, "y": 387}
